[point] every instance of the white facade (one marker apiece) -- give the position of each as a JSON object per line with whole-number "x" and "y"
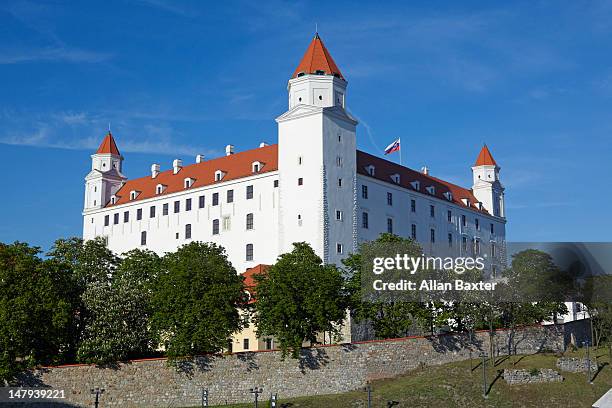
{"x": 307, "y": 188}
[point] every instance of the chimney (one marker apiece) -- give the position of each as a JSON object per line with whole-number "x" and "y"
{"x": 263, "y": 144}
{"x": 154, "y": 170}
{"x": 199, "y": 158}
{"x": 425, "y": 170}
{"x": 177, "y": 165}
{"x": 229, "y": 149}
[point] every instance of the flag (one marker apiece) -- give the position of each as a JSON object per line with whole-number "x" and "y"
{"x": 393, "y": 147}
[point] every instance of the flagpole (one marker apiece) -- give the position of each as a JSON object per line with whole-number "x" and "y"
{"x": 400, "y": 149}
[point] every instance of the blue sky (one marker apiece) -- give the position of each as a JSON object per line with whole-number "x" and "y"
{"x": 174, "y": 78}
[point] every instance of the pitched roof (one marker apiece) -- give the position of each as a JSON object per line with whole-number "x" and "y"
{"x": 384, "y": 169}
{"x": 234, "y": 166}
{"x": 485, "y": 158}
{"x": 317, "y": 58}
{"x": 249, "y": 279}
{"x": 108, "y": 145}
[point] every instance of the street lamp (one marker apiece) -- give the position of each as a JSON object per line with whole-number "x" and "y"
{"x": 588, "y": 362}
{"x": 484, "y": 375}
{"x": 256, "y": 391}
{"x": 97, "y": 391}
{"x": 368, "y": 389}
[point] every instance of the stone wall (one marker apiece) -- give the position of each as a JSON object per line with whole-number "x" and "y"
{"x": 320, "y": 370}
{"x": 521, "y": 377}
{"x": 576, "y": 365}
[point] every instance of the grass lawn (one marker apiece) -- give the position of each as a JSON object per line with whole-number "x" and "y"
{"x": 456, "y": 385}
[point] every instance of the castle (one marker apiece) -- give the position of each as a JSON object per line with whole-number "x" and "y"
{"x": 313, "y": 185}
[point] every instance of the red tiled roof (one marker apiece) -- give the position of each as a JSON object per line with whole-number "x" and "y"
{"x": 108, "y": 145}
{"x": 485, "y": 158}
{"x": 317, "y": 58}
{"x": 249, "y": 278}
{"x": 384, "y": 169}
{"x": 235, "y": 166}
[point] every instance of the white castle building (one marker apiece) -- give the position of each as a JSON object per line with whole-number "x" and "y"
{"x": 313, "y": 185}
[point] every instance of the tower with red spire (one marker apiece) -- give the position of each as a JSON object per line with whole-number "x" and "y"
{"x": 105, "y": 177}
{"x": 487, "y": 187}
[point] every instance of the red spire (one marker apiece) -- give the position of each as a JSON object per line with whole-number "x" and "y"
{"x": 485, "y": 158}
{"x": 108, "y": 145}
{"x": 317, "y": 58}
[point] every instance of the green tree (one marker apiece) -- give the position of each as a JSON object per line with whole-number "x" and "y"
{"x": 119, "y": 311}
{"x": 298, "y": 298}
{"x": 196, "y": 300}
{"x": 35, "y": 311}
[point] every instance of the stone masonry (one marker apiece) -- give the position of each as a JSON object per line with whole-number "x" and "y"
{"x": 320, "y": 370}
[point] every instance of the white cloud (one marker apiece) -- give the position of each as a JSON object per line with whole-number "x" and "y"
{"x": 53, "y": 54}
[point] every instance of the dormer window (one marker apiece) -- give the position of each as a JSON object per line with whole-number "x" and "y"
{"x": 479, "y": 205}
{"x": 448, "y": 195}
{"x": 431, "y": 190}
{"x": 301, "y": 73}
{"x": 466, "y": 202}
{"x": 113, "y": 199}
{"x": 134, "y": 194}
{"x": 219, "y": 174}
{"x": 396, "y": 178}
{"x": 371, "y": 170}
{"x": 416, "y": 185}
{"x": 160, "y": 188}
{"x": 256, "y": 166}
{"x": 319, "y": 72}
{"x": 188, "y": 182}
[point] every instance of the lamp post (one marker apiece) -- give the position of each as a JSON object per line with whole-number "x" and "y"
{"x": 368, "y": 389}
{"x": 588, "y": 361}
{"x": 256, "y": 391}
{"x": 97, "y": 391}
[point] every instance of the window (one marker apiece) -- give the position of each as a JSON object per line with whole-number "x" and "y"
{"x": 339, "y": 182}
{"x": 159, "y": 188}
{"x": 139, "y": 214}
{"x": 215, "y": 199}
{"x": 269, "y": 344}
{"x": 188, "y": 231}
{"x": 177, "y": 206}
{"x": 339, "y": 135}
{"x": 300, "y": 220}
{"x": 364, "y": 191}
{"x": 464, "y": 244}
{"x": 389, "y": 198}
{"x": 245, "y": 344}
{"x": 364, "y": 220}
{"x": 300, "y": 160}
{"x": 201, "y": 201}
{"x": 152, "y": 212}
{"x": 371, "y": 170}
{"x": 116, "y": 218}
{"x": 413, "y": 232}
{"x": 219, "y": 175}
{"x": 227, "y": 223}
{"x": 412, "y": 205}
{"x": 249, "y": 252}
{"x": 106, "y": 220}
{"x": 477, "y": 224}
{"x": 476, "y": 246}
{"x": 215, "y": 227}
{"x": 165, "y": 209}
{"x": 432, "y": 236}
{"x": 390, "y": 225}
{"x": 449, "y": 216}
{"x": 339, "y": 215}
{"x": 126, "y": 216}
{"x": 300, "y": 181}
{"x": 188, "y": 182}
{"x": 432, "y": 211}
{"x": 188, "y": 204}
{"x": 249, "y": 192}
{"x": 492, "y": 229}
{"x": 339, "y": 161}
{"x": 494, "y": 272}
{"x": 492, "y": 249}
{"x": 275, "y": 183}
{"x": 463, "y": 220}
{"x": 143, "y": 238}
{"x": 450, "y": 240}
{"x": 230, "y": 196}
{"x": 339, "y": 248}
{"x": 249, "y": 221}
{"x": 133, "y": 195}
{"x": 256, "y": 167}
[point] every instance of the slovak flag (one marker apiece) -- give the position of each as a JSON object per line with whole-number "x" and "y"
{"x": 393, "y": 147}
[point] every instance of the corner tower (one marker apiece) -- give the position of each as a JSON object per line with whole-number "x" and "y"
{"x": 105, "y": 177}
{"x": 487, "y": 187}
{"x": 317, "y": 159}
